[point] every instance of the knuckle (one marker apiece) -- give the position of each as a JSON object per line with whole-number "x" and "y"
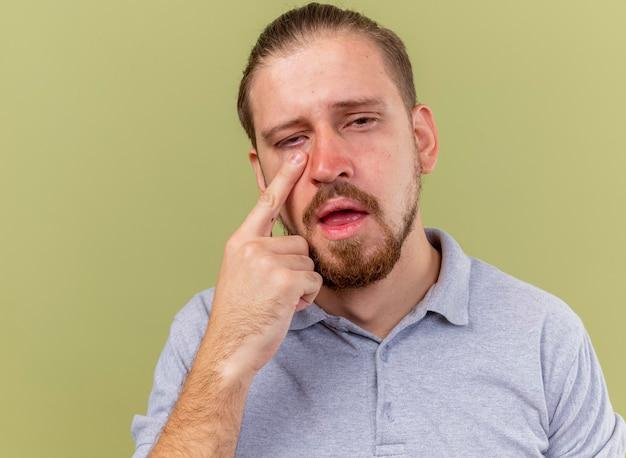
{"x": 316, "y": 278}
{"x": 283, "y": 280}
{"x": 309, "y": 262}
{"x": 267, "y": 198}
{"x": 232, "y": 244}
{"x": 250, "y": 250}
{"x": 301, "y": 244}
{"x": 265, "y": 263}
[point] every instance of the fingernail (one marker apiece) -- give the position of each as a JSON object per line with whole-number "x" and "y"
{"x": 297, "y": 157}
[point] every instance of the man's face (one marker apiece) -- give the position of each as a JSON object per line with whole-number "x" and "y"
{"x": 365, "y": 152}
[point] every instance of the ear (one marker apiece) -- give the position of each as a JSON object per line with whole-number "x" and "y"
{"x": 426, "y": 136}
{"x": 256, "y": 166}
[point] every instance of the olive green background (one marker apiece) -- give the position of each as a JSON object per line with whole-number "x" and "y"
{"x": 123, "y": 170}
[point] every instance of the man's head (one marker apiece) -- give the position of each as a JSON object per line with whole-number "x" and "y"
{"x": 334, "y": 84}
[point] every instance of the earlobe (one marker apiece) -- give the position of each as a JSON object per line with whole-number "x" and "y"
{"x": 253, "y": 156}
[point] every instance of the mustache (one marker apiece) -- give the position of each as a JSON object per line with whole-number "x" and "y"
{"x": 339, "y": 189}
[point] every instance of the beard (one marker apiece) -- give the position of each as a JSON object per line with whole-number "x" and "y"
{"x": 351, "y": 264}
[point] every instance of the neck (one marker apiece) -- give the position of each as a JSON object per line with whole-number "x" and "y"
{"x": 379, "y": 307}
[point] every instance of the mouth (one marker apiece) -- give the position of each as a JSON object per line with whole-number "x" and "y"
{"x": 341, "y": 224}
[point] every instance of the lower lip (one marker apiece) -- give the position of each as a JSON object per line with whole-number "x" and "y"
{"x": 344, "y": 230}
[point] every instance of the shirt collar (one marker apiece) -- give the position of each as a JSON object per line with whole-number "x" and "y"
{"x": 449, "y": 296}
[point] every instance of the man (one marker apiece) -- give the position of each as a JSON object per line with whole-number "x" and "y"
{"x": 361, "y": 333}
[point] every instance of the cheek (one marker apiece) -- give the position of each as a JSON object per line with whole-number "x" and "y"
{"x": 379, "y": 153}
{"x": 389, "y": 179}
{"x": 378, "y": 166}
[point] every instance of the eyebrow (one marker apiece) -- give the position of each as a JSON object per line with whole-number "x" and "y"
{"x": 360, "y": 102}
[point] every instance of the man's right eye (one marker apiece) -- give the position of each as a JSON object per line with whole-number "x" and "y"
{"x": 288, "y": 142}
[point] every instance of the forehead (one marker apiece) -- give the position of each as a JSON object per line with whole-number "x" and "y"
{"x": 309, "y": 80}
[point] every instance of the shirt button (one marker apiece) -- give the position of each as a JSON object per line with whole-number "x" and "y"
{"x": 387, "y": 412}
{"x": 384, "y": 354}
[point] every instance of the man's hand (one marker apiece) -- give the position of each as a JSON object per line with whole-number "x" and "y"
{"x": 262, "y": 281}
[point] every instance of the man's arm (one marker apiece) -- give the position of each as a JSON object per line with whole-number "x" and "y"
{"x": 207, "y": 416}
{"x": 262, "y": 282}
{"x": 186, "y": 351}
{"x": 583, "y": 422}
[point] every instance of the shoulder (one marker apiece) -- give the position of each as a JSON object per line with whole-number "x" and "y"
{"x": 189, "y": 324}
{"x": 197, "y": 309}
{"x": 499, "y": 299}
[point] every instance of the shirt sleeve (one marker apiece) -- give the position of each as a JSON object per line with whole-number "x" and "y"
{"x": 175, "y": 361}
{"x": 583, "y": 423}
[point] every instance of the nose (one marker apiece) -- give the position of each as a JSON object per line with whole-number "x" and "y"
{"x": 329, "y": 157}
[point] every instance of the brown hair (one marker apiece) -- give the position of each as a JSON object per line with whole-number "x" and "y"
{"x": 294, "y": 29}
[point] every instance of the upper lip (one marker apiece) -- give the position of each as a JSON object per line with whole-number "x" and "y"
{"x": 339, "y": 204}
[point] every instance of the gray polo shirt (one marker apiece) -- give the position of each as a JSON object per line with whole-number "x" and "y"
{"x": 485, "y": 365}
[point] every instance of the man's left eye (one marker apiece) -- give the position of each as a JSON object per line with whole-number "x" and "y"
{"x": 363, "y": 121}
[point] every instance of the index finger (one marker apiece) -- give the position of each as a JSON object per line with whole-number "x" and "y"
{"x": 261, "y": 218}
